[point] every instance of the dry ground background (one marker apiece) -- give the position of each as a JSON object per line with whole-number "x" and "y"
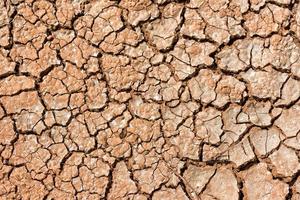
{"x": 150, "y": 99}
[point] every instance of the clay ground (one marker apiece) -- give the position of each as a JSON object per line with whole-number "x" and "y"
{"x": 150, "y": 99}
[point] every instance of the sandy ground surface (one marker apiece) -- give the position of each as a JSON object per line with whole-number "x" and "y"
{"x": 150, "y": 99}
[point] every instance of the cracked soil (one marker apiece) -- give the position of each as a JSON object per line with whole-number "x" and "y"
{"x": 150, "y": 99}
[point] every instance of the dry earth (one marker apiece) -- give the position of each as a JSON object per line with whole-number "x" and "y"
{"x": 150, "y": 99}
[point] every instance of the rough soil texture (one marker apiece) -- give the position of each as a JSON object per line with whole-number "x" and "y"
{"x": 150, "y": 99}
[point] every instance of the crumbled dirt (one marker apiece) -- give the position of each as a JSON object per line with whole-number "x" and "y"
{"x": 150, "y": 99}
